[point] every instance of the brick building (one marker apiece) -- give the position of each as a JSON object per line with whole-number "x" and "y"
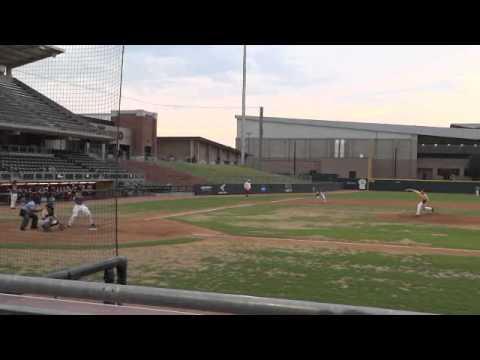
{"x": 143, "y": 127}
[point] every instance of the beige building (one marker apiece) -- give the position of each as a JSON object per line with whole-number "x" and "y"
{"x": 357, "y": 150}
{"x": 195, "y": 149}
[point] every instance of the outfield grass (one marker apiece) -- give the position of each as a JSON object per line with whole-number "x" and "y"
{"x": 438, "y": 284}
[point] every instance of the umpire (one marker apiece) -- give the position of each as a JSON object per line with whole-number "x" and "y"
{"x": 28, "y": 211}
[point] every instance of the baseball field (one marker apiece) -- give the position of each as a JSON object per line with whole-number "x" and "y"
{"x": 359, "y": 248}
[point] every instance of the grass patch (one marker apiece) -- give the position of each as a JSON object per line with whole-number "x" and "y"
{"x": 404, "y": 195}
{"x": 198, "y": 203}
{"x": 438, "y": 284}
{"x": 455, "y": 238}
{"x": 228, "y": 173}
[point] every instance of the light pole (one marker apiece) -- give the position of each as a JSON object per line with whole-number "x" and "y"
{"x": 243, "y": 102}
{"x": 260, "y": 144}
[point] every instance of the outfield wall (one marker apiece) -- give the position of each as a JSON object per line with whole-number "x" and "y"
{"x": 235, "y": 189}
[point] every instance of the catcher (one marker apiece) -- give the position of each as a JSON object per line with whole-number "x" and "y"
{"x": 424, "y": 199}
{"x": 48, "y": 220}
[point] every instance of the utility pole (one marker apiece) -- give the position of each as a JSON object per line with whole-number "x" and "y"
{"x": 395, "y": 163}
{"x": 243, "y": 102}
{"x": 260, "y": 144}
{"x": 294, "y": 157}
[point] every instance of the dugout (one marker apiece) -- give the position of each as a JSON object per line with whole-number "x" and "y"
{"x": 94, "y": 189}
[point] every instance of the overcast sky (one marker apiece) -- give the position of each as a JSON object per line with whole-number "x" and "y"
{"x": 420, "y": 85}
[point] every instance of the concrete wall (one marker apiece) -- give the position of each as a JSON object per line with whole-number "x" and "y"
{"x": 313, "y": 146}
{"x": 392, "y": 157}
{"x": 435, "y": 164}
{"x": 184, "y": 150}
{"x": 280, "y": 130}
{"x": 342, "y": 167}
{"x": 310, "y": 149}
{"x": 178, "y": 149}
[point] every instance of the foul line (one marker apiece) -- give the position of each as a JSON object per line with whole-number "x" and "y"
{"x": 203, "y": 211}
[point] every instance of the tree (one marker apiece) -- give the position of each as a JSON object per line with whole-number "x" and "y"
{"x": 473, "y": 167}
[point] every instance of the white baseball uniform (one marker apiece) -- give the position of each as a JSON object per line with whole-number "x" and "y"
{"x": 80, "y": 209}
{"x": 247, "y": 187}
{"x": 422, "y": 205}
{"x": 13, "y": 197}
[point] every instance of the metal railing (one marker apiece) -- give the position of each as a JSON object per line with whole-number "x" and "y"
{"x": 270, "y": 179}
{"x": 186, "y": 299}
{"x": 25, "y": 149}
{"x": 62, "y": 176}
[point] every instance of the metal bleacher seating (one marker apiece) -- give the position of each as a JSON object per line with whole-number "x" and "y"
{"x": 21, "y": 104}
{"x": 92, "y": 164}
{"x": 38, "y": 163}
{"x": 59, "y": 162}
{"x": 24, "y": 109}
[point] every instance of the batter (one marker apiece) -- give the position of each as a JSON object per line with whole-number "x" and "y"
{"x": 81, "y": 209}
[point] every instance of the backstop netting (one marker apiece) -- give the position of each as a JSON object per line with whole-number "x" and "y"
{"x": 84, "y": 85}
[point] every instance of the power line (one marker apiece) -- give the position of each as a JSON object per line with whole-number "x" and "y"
{"x": 171, "y": 106}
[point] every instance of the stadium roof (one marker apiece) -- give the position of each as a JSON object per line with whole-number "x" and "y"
{"x": 466, "y": 126}
{"x": 197, "y": 138}
{"x": 18, "y": 55}
{"x": 24, "y": 109}
{"x": 459, "y": 133}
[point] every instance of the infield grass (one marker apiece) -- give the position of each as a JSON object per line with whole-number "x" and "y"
{"x": 362, "y": 223}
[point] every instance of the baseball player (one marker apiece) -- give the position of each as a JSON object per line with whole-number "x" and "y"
{"x": 13, "y": 195}
{"x": 48, "y": 219}
{"x": 422, "y": 205}
{"x": 81, "y": 209}
{"x": 28, "y": 211}
{"x": 247, "y": 186}
{"x": 320, "y": 194}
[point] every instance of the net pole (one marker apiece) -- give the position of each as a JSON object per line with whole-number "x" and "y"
{"x": 243, "y": 104}
{"x": 118, "y": 150}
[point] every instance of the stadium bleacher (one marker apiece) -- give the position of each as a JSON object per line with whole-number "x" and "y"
{"x": 92, "y": 164}
{"x": 37, "y": 163}
{"x": 30, "y": 122}
{"x": 82, "y": 165}
{"x": 20, "y": 104}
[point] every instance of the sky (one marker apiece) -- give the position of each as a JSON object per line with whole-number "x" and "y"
{"x": 414, "y": 85}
